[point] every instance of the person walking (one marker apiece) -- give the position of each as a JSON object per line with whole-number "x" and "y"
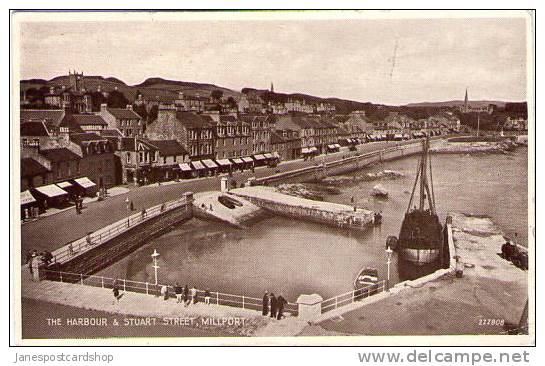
{"x": 265, "y": 304}
{"x": 272, "y": 300}
{"x": 280, "y": 303}
{"x": 131, "y": 206}
{"x": 115, "y": 290}
{"x": 178, "y": 292}
{"x": 207, "y": 297}
{"x": 164, "y": 292}
{"x": 185, "y": 295}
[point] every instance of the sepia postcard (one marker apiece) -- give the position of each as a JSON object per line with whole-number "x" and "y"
{"x": 273, "y": 177}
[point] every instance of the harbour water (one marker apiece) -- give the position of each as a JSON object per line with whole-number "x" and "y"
{"x": 291, "y": 257}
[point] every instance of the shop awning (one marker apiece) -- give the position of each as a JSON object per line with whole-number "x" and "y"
{"x": 198, "y": 165}
{"x": 85, "y": 182}
{"x": 268, "y": 155}
{"x": 223, "y": 162}
{"x": 332, "y": 146}
{"x": 237, "y": 161}
{"x": 64, "y": 185}
{"x": 51, "y": 191}
{"x": 209, "y": 163}
{"x": 247, "y": 159}
{"x": 337, "y": 146}
{"x": 259, "y": 157}
{"x": 184, "y": 167}
{"x": 305, "y": 150}
{"x": 314, "y": 148}
{"x": 276, "y": 155}
{"x": 27, "y": 198}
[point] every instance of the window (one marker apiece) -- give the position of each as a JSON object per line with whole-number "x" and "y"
{"x": 128, "y": 157}
{"x": 174, "y": 158}
{"x": 164, "y": 159}
{"x": 141, "y": 157}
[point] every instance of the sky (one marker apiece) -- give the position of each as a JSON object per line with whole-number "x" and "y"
{"x": 390, "y": 61}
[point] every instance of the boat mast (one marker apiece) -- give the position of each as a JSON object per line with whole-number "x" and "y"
{"x": 422, "y": 175}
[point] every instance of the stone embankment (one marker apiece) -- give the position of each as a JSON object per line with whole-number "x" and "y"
{"x": 207, "y": 206}
{"x": 471, "y": 147}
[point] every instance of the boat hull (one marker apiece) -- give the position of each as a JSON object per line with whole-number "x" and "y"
{"x": 419, "y": 257}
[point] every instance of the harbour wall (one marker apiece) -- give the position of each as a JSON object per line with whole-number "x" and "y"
{"x": 106, "y": 246}
{"x": 343, "y": 166}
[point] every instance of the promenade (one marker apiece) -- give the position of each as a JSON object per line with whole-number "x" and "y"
{"x": 52, "y": 232}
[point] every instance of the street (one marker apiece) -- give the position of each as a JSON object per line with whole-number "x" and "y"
{"x": 52, "y": 232}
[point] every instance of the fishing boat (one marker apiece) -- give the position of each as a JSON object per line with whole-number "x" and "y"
{"x": 226, "y": 202}
{"x": 420, "y": 238}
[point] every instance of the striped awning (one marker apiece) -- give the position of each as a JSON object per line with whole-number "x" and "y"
{"x": 314, "y": 148}
{"x": 237, "y": 161}
{"x": 27, "y": 198}
{"x": 332, "y": 146}
{"x": 305, "y": 150}
{"x": 337, "y": 146}
{"x": 223, "y": 162}
{"x": 198, "y": 165}
{"x": 84, "y": 182}
{"x": 184, "y": 167}
{"x": 209, "y": 163}
{"x": 51, "y": 191}
{"x": 247, "y": 159}
{"x": 268, "y": 155}
{"x": 259, "y": 157}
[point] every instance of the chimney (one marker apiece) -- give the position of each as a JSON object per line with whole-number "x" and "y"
{"x": 103, "y": 107}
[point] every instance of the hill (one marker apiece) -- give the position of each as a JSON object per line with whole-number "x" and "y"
{"x": 457, "y": 103}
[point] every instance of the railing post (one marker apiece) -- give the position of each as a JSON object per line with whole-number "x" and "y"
{"x": 335, "y": 302}
{"x": 81, "y": 278}
{"x": 217, "y": 298}
{"x": 243, "y": 301}
{"x": 124, "y": 286}
{"x": 102, "y": 281}
{"x": 147, "y": 289}
{"x": 60, "y": 273}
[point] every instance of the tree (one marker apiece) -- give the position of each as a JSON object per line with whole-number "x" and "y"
{"x": 153, "y": 113}
{"x": 216, "y": 94}
{"x": 116, "y": 99}
{"x": 231, "y": 102}
{"x": 97, "y": 98}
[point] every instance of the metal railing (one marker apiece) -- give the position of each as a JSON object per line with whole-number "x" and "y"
{"x": 216, "y": 298}
{"x": 352, "y": 296}
{"x": 106, "y": 233}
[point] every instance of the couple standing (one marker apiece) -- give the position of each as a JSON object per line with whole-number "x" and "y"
{"x": 273, "y": 306}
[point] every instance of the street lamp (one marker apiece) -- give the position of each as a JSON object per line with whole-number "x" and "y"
{"x": 389, "y": 252}
{"x": 154, "y": 256}
{"x": 127, "y": 205}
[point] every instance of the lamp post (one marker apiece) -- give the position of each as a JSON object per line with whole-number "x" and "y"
{"x": 154, "y": 256}
{"x": 127, "y": 205}
{"x": 389, "y": 252}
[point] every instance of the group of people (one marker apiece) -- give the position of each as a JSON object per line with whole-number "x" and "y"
{"x": 185, "y": 295}
{"x": 273, "y": 306}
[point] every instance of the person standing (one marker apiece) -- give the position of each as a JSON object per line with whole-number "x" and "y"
{"x": 164, "y": 292}
{"x": 272, "y": 299}
{"x": 185, "y": 295}
{"x": 193, "y": 293}
{"x": 265, "y": 304}
{"x": 207, "y": 297}
{"x": 178, "y": 292}
{"x": 280, "y": 303}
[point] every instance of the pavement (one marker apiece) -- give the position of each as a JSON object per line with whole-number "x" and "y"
{"x": 141, "y": 306}
{"x": 67, "y": 226}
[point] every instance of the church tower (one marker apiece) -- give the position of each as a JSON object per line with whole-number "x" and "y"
{"x": 76, "y": 80}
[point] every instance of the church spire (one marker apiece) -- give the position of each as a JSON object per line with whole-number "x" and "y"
{"x": 272, "y": 87}
{"x": 466, "y": 99}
